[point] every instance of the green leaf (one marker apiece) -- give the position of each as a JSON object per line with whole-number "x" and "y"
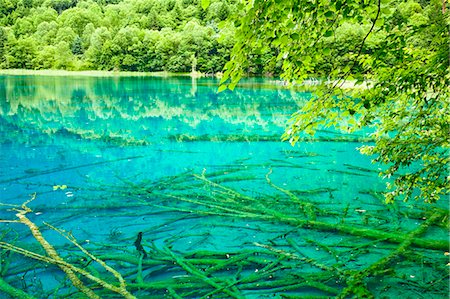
{"x": 224, "y": 78}
{"x": 380, "y": 22}
{"x": 205, "y": 4}
{"x": 232, "y": 85}
{"x": 222, "y": 88}
{"x": 326, "y": 51}
{"x": 328, "y": 33}
{"x": 295, "y": 36}
{"x": 329, "y": 14}
{"x": 306, "y": 59}
{"x": 284, "y": 39}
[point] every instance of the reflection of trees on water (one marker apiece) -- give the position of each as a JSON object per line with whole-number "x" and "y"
{"x": 140, "y": 107}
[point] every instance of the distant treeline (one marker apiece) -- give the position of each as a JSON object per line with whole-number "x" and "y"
{"x": 129, "y": 35}
{"x": 157, "y": 35}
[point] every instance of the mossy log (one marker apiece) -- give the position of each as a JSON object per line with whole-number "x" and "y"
{"x": 12, "y": 291}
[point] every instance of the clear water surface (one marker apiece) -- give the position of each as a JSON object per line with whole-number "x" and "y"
{"x": 226, "y": 210}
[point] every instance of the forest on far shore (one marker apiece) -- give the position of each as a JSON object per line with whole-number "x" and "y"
{"x": 152, "y": 35}
{"x": 127, "y": 35}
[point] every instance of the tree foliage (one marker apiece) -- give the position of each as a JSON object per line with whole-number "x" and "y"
{"x": 383, "y": 64}
{"x": 129, "y": 35}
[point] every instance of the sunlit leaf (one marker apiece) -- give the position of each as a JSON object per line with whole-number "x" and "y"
{"x": 222, "y": 88}
{"x": 205, "y": 4}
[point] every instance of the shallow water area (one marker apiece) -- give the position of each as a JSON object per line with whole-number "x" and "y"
{"x": 224, "y": 208}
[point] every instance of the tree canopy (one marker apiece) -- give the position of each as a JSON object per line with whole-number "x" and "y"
{"x": 128, "y": 35}
{"x": 382, "y": 64}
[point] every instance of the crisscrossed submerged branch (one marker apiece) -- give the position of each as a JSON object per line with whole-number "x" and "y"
{"x": 54, "y": 258}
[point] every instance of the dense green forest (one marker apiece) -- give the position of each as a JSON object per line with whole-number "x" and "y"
{"x": 129, "y": 35}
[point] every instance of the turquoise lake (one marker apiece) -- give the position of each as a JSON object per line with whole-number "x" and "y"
{"x": 225, "y": 209}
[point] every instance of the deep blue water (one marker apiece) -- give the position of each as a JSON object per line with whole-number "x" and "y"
{"x": 110, "y": 157}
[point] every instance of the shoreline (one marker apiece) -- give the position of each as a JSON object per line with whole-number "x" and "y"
{"x": 96, "y": 73}
{"x": 307, "y": 85}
